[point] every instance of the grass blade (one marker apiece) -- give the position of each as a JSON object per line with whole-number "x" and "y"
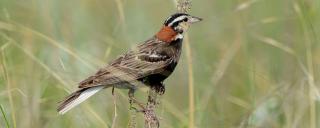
{"x": 8, "y": 82}
{"x": 5, "y": 117}
{"x": 191, "y": 84}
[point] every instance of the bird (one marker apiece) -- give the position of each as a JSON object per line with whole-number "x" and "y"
{"x": 149, "y": 64}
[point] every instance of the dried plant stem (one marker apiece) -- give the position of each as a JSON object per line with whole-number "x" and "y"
{"x": 191, "y": 85}
{"x": 133, "y": 116}
{"x": 151, "y": 120}
{"x": 184, "y": 6}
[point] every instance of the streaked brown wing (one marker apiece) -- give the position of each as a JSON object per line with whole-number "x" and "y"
{"x": 136, "y": 64}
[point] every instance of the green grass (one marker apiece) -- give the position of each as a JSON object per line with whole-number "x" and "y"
{"x": 249, "y": 64}
{"x": 4, "y": 117}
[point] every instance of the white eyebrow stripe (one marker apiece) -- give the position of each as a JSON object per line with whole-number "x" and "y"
{"x": 168, "y": 19}
{"x": 177, "y": 19}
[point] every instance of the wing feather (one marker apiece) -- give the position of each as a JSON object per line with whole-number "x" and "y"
{"x": 144, "y": 61}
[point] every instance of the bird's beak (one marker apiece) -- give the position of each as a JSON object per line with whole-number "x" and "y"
{"x": 194, "y": 19}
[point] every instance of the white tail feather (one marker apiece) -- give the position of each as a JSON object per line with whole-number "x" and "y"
{"x": 83, "y": 96}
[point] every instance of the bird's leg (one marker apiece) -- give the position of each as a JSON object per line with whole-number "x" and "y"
{"x": 134, "y": 100}
{"x": 112, "y": 90}
{"x": 131, "y": 96}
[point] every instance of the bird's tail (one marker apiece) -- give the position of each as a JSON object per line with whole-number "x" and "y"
{"x": 76, "y": 98}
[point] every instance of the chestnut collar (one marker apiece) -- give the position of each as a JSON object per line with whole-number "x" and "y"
{"x": 166, "y": 34}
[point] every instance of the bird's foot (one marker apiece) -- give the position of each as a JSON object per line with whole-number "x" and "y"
{"x": 140, "y": 105}
{"x": 160, "y": 89}
{"x": 133, "y": 101}
{"x": 142, "y": 110}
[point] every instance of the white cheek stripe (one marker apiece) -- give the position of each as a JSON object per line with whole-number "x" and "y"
{"x": 177, "y": 19}
{"x": 179, "y": 36}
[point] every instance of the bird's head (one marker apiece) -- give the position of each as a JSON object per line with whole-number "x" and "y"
{"x": 180, "y": 22}
{"x": 175, "y": 26}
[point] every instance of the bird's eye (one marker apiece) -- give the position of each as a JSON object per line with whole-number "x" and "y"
{"x": 185, "y": 19}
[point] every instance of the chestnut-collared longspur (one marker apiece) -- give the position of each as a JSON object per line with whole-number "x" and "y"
{"x": 150, "y": 64}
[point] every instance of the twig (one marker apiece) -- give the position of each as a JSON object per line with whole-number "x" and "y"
{"x": 190, "y": 83}
{"x": 151, "y": 120}
{"x": 184, "y": 6}
{"x": 133, "y": 116}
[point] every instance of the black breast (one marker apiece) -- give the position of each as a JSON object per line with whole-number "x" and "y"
{"x": 159, "y": 77}
{"x": 173, "y": 50}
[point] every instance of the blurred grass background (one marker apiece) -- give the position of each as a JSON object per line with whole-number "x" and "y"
{"x": 252, "y": 63}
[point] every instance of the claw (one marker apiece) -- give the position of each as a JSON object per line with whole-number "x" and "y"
{"x": 132, "y": 101}
{"x": 137, "y": 110}
{"x": 133, "y": 108}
